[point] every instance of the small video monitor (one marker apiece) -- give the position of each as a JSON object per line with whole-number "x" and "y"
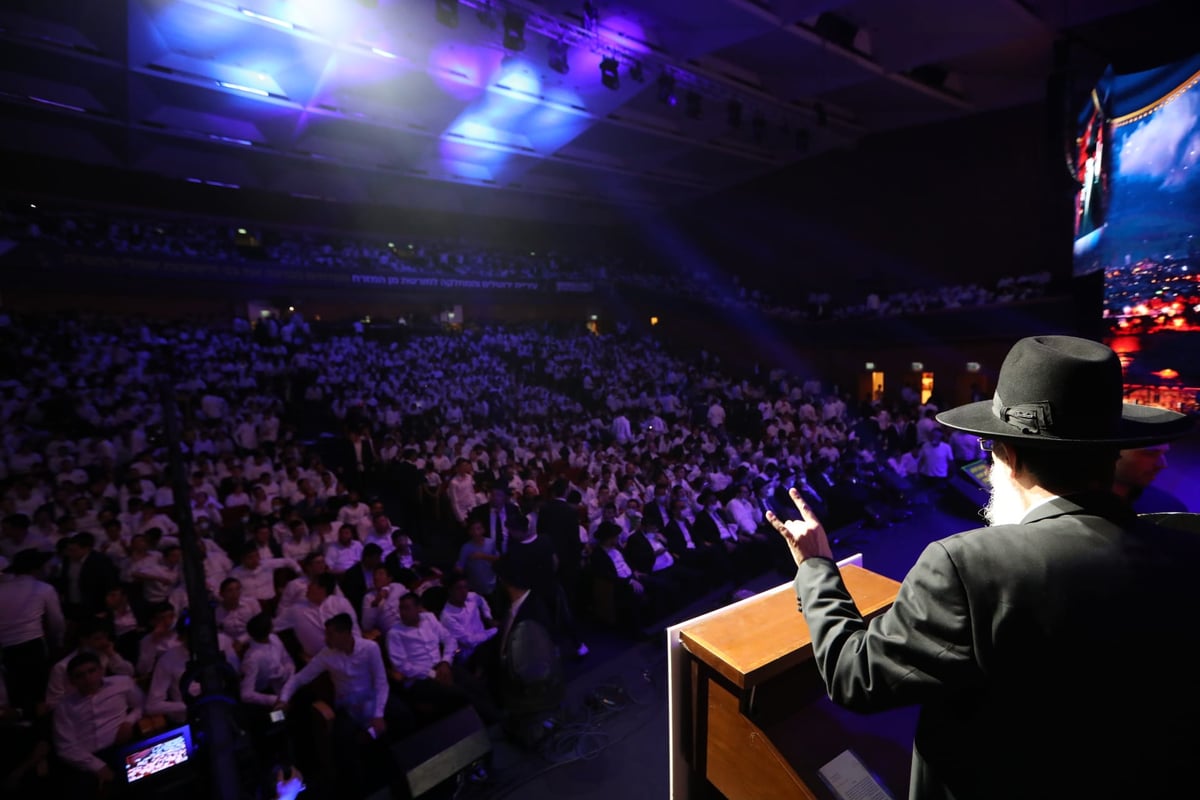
{"x": 161, "y": 753}
{"x": 977, "y": 472}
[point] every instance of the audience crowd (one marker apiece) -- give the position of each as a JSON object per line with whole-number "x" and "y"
{"x": 379, "y": 522}
{"x": 123, "y": 234}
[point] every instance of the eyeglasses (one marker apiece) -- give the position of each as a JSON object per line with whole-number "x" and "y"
{"x": 986, "y": 445}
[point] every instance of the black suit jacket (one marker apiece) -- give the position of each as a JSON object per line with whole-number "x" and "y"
{"x": 651, "y": 510}
{"x": 483, "y": 513}
{"x": 346, "y": 459}
{"x": 535, "y": 559}
{"x": 675, "y": 541}
{"x": 603, "y": 567}
{"x": 399, "y": 572}
{"x": 705, "y": 529}
{"x": 97, "y": 575}
{"x": 354, "y": 587}
{"x": 639, "y": 553}
{"x": 1034, "y": 652}
{"x": 558, "y": 521}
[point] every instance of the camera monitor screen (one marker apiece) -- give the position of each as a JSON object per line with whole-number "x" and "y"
{"x": 158, "y": 754}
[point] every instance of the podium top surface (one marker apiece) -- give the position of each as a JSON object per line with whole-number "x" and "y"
{"x": 762, "y": 636}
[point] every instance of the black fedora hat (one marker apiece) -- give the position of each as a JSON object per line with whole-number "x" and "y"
{"x": 1063, "y": 390}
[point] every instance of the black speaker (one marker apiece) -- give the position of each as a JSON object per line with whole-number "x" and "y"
{"x": 439, "y": 751}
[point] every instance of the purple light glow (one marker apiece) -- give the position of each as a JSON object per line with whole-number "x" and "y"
{"x": 462, "y": 72}
{"x": 628, "y": 33}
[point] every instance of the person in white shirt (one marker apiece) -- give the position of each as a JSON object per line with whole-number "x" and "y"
{"x": 161, "y": 637}
{"x": 381, "y": 605}
{"x": 151, "y": 517}
{"x": 257, "y": 574}
{"x": 266, "y": 665}
{"x": 307, "y": 618}
{"x": 31, "y": 627}
{"x": 160, "y": 577}
{"x": 345, "y": 552}
{"x": 95, "y": 636}
{"x": 98, "y": 713}
{"x": 468, "y": 618}
{"x": 299, "y": 542}
{"x": 934, "y": 460}
{"x": 19, "y": 535}
{"x": 381, "y": 533}
{"x": 234, "y": 611}
{"x": 461, "y": 490}
{"x": 361, "y": 698}
{"x": 166, "y": 693}
{"x": 356, "y": 514}
{"x": 217, "y": 564}
{"x": 421, "y": 654}
{"x": 743, "y": 511}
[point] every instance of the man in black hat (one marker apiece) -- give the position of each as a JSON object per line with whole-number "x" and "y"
{"x": 1049, "y": 652}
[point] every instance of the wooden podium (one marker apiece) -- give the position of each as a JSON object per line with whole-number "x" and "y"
{"x": 750, "y": 717}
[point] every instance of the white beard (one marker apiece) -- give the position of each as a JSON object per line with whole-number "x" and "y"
{"x": 1005, "y": 505}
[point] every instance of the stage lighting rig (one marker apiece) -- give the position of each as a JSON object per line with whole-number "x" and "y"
{"x": 608, "y": 73}
{"x": 557, "y": 58}
{"x": 486, "y": 16}
{"x": 514, "y": 31}
{"x": 447, "y": 13}
{"x": 666, "y": 88}
{"x": 734, "y": 114}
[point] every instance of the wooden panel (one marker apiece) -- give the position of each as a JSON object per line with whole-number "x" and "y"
{"x": 765, "y": 635}
{"x": 741, "y": 760}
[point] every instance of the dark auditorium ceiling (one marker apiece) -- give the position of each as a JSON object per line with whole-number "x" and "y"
{"x": 380, "y": 101}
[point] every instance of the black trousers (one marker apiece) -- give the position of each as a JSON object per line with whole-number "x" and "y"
{"x": 26, "y": 671}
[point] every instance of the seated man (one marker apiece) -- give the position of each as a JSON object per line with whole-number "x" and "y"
{"x": 158, "y": 640}
{"x": 166, "y": 693}
{"x": 641, "y": 596}
{"x": 95, "y": 636}
{"x": 266, "y": 665}
{"x": 381, "y": 605}
{"x": 421, "y": 653}
{"x": 95, "y": 717}
{"x": 234, "y": 611}
{"x": 467, "y": 617}
{"x": 306, "y": 619}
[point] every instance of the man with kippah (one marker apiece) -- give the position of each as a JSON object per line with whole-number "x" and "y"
{"x": 1050, "y": 653}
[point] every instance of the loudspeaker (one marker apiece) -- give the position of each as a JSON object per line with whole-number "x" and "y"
{"x": 439, "y": 751}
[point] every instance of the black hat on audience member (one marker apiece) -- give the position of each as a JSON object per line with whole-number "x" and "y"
{"x": 607, "y": 532}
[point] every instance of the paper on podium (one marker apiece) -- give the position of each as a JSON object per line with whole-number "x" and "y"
{"x": 849, "y": 779}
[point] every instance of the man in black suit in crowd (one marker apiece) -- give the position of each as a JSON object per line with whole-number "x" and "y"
{"x": 497, "y": 515}
{"x": 84, "y": 577}
{"x": 355, "y": 459}
{"x": 558, "y": 521}
{"x": 359, "y": 579}
{"x": 407, "y": 484}
{"x": 689, "y": 547}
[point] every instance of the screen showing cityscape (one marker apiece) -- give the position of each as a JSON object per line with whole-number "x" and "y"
{"x": 1137, "y": 162}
